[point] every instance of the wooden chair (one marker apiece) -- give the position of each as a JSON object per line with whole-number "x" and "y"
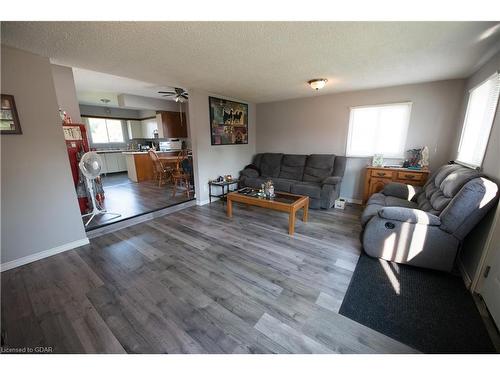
{"x": 161, "y": 173}
{"x": 180, "y": 176}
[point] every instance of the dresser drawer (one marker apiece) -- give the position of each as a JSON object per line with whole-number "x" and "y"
{"x": 383, "y": 174}
{"x": 411, "y": 176}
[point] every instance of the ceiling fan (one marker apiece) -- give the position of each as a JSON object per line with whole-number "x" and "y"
{"x": 180, "y": 95}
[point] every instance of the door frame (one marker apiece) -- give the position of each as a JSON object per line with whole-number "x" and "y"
{"x": 487, "y": 251}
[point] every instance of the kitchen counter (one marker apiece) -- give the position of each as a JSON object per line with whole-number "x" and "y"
{"x": 145, "y": 152}
{"x": 108, "y": 151}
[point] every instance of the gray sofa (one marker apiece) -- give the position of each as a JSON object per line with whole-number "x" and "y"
{"x": 426, "y": 226}
{"x": 317, "y": 176}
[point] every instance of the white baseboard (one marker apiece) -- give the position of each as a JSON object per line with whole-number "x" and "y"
{"x": 43, "y": 254}
{"x": 465, "y": 275}
{"x": 353, "y": 200}
{"x": 206, "y": 201}
{"x": 138, "y": 219}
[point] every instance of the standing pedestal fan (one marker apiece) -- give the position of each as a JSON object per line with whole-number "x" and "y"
{"x": 90, "y": 165}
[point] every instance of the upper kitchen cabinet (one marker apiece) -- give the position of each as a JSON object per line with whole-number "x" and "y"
{"x": 134, "y": 128}
{"x": 149, "y": 126}
{"x": 172, "y": 125}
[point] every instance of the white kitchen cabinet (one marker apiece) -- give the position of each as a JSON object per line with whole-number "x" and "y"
{"x": 148, "y": 128}
{"x": 113, "y": 162}
{"x": 134, "y": 128}
{"x": 104, "y": 167}
{"x": 122, "y": 162}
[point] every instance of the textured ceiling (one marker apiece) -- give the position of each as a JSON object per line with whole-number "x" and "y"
{"x": 92, "y": 86}
{"x": 263, "y": 61}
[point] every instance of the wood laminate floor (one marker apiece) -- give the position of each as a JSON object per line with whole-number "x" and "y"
{"x": 196, "y": 282}
{"x": 129, "y": 198}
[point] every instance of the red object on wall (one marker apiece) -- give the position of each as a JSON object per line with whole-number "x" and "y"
{"x": 77, "y": 144}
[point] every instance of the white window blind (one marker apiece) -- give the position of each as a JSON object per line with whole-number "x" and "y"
{"x": 379, "y": 129}
{"x": 481, "y": 108}
{"x": 105, "y": 130}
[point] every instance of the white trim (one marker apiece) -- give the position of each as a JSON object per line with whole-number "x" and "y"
{"x": 485, "y": 252}
{"x": 465, "y": 276}
{"x": 462, "y": 133}
{"x": 348, "y": 152}
{"x": 206, "y": 201}
{"x": 43, "y": 254}
{"x": 138, "y": 219}
{"x": 352, "y": 200}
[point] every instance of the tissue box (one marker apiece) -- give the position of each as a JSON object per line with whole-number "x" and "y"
{"x": 340, "y": 203}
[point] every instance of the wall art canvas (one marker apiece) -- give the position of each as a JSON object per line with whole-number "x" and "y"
{"x": 228, "y": 122}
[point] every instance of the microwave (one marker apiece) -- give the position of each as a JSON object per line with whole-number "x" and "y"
{"x": 171, "y": 145}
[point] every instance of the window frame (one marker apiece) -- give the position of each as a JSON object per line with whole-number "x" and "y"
{"x": 107, "y": 131}
{"x": 350, "y": 131}
{"x": 464, "y": 163}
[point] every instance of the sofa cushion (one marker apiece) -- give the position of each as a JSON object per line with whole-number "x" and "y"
{"x": 378, "y": 201}
{"x": 270, "y": 164}
{"x": 255, "y": 182}
{"x": 292, "y": 166}
{"x": 283, "y": 184}
{"x": 309, "y": 189}
{"x": 249, "y": 172}
{"x": 318, "y": 167}
{"x": 452, "y": 184}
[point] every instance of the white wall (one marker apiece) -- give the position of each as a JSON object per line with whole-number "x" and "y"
{"x": 475, "y": 242}
{"x": 39, "y": 206}
{"x": 320, "y": 124}
{"x": 64, "y": 84}
{"x": 212, "y": 161}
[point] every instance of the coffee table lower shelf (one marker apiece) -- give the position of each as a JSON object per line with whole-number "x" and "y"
{"x": 284, "y": 202}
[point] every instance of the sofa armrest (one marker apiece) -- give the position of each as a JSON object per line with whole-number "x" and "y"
{"x": 248, "y": 172}
{"x": 409, "y": 215}
{"x": 403, "y": 191}
{"x": 332, "y": 180}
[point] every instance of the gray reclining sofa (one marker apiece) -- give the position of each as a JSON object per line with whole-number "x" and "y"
{"x": 316, "y": 176}
{"x": 426, "y": 226}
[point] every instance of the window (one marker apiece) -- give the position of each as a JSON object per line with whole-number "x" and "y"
{"x": 378, "y": 129}
{"x": 105, "y": 130}
{"x": 478, "y": 120}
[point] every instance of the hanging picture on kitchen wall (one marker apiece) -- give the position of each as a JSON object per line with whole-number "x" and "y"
{"x": 228, "y": 122}
{"x": 9, "y": 120}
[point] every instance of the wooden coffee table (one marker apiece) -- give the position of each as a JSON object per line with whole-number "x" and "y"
{"x": 285, "y": 202}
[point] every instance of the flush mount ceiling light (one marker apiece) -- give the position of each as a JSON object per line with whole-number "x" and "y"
{"x": 106, "y": 109}
{"x": 318, "y": 83}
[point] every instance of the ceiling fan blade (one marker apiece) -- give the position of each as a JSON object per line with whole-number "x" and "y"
{"x": 166, "y": 92}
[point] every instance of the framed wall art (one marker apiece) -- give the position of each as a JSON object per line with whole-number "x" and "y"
{"x": 228, "y": 122}
{"x": 9, "y": 120}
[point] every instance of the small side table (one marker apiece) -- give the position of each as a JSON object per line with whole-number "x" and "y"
{"x": 222, "y": 185}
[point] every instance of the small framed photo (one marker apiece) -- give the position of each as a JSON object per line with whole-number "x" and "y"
{"x": 378, "y": 160}
{"x": 9, "y": 120}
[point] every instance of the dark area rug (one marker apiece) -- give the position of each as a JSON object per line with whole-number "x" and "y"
{"x": 428, "y": 310}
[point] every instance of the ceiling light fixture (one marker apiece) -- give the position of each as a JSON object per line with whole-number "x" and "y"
{"x": 318, "y": 83}
{"x": 106, "y": 109}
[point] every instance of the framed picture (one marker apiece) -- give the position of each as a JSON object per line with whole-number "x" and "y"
{"x": 9, "y": 120}
{"x": 228, "y": 122}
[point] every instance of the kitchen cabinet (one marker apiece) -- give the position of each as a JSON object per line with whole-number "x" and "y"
{"x": 134, "y": 128}
{"x": 172, "y": 126}
{"x": 148, "y": 128}
{"x": 112, "y": 162}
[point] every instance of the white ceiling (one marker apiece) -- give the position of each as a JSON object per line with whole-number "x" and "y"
{"x": 93, "y": 86}
{"x": 264, "y": 61}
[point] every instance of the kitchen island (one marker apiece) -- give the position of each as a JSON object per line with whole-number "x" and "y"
{"x": 140, "y": 166}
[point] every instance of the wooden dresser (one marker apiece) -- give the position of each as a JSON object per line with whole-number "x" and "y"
{"x": 377, "y": 177}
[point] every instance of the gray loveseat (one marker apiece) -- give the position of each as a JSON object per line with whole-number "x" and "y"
{"x": 317, "y": 176}
{"x": 426, "y": 226}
